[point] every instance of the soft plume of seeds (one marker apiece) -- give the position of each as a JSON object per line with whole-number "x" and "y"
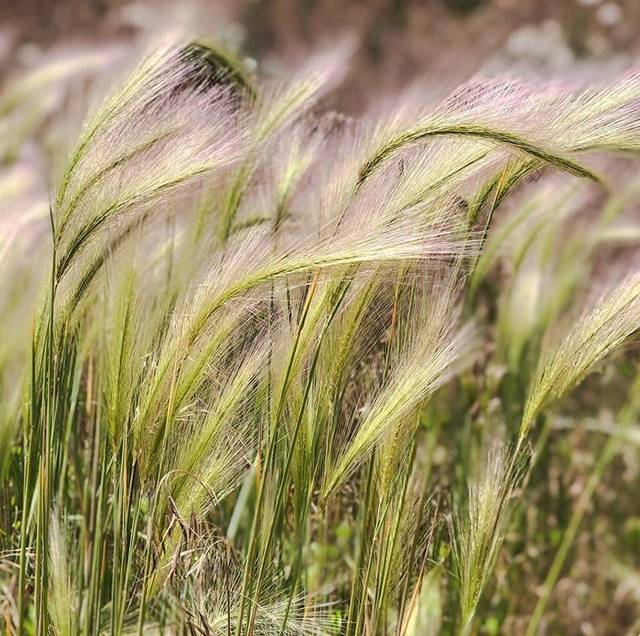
{"x": 436, "y": 351}
{"x": 478, "y": 528}
{"x": 594, "y": 335}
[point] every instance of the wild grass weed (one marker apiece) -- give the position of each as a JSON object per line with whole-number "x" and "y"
{"x": 292, "y": 373}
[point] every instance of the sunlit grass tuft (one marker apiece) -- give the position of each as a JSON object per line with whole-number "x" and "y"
{"x": 256, "y": 357}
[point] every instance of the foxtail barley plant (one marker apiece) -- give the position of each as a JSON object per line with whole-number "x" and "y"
{"x": 270, "y": 370}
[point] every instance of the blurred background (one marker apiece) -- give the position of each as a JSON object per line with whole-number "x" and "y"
{"x": 399, "y": 41}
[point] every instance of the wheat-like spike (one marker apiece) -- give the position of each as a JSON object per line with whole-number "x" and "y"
{"x": 478, "y": 530}
{"x": 615, "y": 317}
{"x": 431, "y": 358}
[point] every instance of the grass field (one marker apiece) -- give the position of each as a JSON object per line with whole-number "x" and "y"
{"x": 266, "y": 369}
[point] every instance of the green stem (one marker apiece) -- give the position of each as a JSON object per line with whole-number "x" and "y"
{"x": 607, "y": 453}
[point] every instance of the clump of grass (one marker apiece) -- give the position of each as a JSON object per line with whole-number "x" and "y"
{"x": 270, "y": 350}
